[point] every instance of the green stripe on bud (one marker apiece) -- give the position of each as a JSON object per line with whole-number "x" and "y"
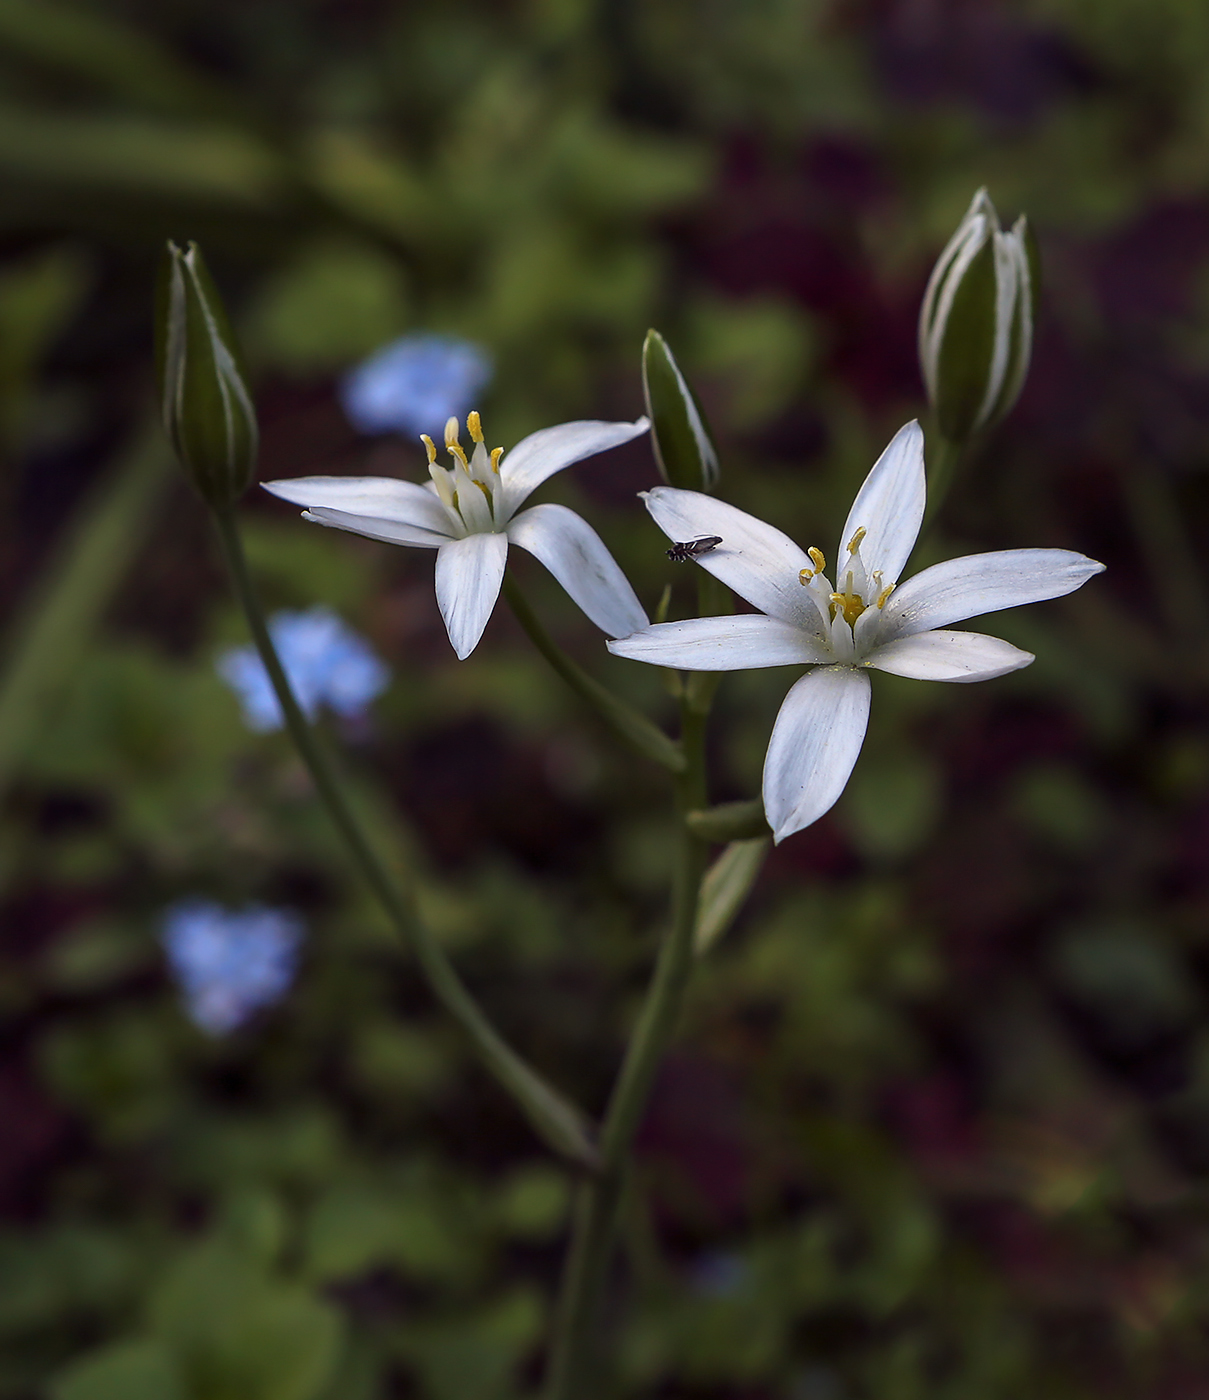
{"x": 976, "y": 324}
{"x": 207, "y": 409}
{"x": 684, "y": 449}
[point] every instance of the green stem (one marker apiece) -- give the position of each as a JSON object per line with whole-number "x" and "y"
{"x": 557, "y": 1120}
{"x": 573, "y": 1365}
{"x": 635, "y": 729}
{"x": 942, "y": 469}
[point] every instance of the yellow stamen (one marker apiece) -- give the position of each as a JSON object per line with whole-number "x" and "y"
{"x": 804, "y": 576}
{"x": 496, "y": 454}
{"x": 816, "y": 558}
{"x": 473, "y": 426}
{"x": 483, "y": 487}
{"x": 430, "y": 447}
{"x": 850, "y": 604}
{"x": 452, "y": 445}
{"x": 884, "y": 594}
{"x": 855, "y": 542}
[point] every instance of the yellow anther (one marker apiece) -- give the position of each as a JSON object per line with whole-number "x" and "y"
{"x": 804, "y": 576}
{"x": 430, "y": 447}
{"x": 884, "y": 594}
{"x": 816, "y": 558}
{"x": 496, "y": 454}
{"x": 473, "y": 426}
{"x": 483, "y": 487}
{"x": 855, "y": 542}
{"x": 452, "y": 445}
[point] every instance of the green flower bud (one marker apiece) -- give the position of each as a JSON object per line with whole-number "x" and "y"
{"x": 976, "y": 325}
{"x": 684, "y": 449}
{"x": 208, "y": 411}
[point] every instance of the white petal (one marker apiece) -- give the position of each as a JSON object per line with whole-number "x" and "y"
{"x": 469, "y": 575}
{"x": 890, "y": 506}
{"x": 376, "y": 528}
{"x": 759, "y": 562}
{"x": 982, "y": 583}
{"x": 949, "y": 656}
{"x": 742, "y": 643}
{"x": 814, "y": 745}
{"x": 536, "y": 458}
{"x": 383, "y": 497}
{"x": 576, "y": 556}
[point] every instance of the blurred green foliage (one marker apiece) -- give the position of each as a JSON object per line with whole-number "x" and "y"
{"x": 941, "y": 1111}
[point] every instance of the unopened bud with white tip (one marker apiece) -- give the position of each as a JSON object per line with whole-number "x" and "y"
{"x": 976, "y": 324}
{"x": 680, "y": 436}
{"x": 207, "y": 408}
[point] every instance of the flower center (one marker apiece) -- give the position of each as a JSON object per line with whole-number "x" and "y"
{"x": 858, "y": 591}
{"x": 468, "y": 490}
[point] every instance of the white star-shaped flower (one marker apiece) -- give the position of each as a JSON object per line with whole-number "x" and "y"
{"x": 866, "y": 620}
{"x": 468, "y": 513}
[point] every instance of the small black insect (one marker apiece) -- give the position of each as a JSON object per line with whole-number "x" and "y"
{"x": 681, "y": 553}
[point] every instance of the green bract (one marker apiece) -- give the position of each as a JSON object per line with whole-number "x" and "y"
{"x": 976, "y": 325}
{"x": 208, "y": 411}
{"x": 683, "y": 446}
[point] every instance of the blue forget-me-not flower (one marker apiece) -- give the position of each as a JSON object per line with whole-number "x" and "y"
{"x": 229, "y": 963}
{"x": 414, "y": 385}
{"x": 326, "y": 661}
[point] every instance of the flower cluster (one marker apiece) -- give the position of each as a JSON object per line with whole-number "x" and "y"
{"x": 229, "y": 963}
{"x": 839, "y": 623}
{"x": 327, "y": 664}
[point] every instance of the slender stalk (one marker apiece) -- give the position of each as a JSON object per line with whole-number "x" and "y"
{"x": 635, "y": 729}
{"x": 558, "y": 1121}
{"x": 573, "y": 1365}
{"x": 942, "y": 468}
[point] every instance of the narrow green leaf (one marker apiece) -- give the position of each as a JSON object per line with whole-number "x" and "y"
{"x": 725, "y": 888}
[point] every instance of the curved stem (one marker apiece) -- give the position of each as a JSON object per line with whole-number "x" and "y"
{"x": 572, "y": 1363}
{"x": 558, "y": 1121}
{"x": 635, "y": 729}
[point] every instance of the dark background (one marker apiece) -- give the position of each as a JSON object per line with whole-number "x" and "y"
{"x": 938, "y": 1121}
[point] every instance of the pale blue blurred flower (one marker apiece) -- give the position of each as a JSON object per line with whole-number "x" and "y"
{"x": 326, "y": 661}
{"x": 229, "y": 963}
{"x": 415, "y": 385}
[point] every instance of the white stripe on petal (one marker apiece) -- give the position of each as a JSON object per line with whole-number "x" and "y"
{"x": 469, "y": 574}
{"x": 814, "y": 745}
{"x": 949, "y": 656}
{"x": 982, "y": 583}
{"x": 889, "y": 506}
{"x": 536, "y": 458}
{"x": 383, "y": 497}
{"x": 576, "y": 556}
{"x": 745, "y": 642}
{"x": 375, "y": 528}
{"x": 759, "y": 562}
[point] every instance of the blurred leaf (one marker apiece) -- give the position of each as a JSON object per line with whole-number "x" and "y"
{"x": 332, "y": 305}
{"x": 135, "y": 1370}
{"x": 532, "y": 1203}
{"x": 44, "y": 644}
{"x": 37, "y": 297}
{"x": 892, "y": 802}
{"x": 476, "y": 1356}
{"x": 100, "y": 48}
{"x": 240, "y": 1333}
{"x": 103, "y": 151}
